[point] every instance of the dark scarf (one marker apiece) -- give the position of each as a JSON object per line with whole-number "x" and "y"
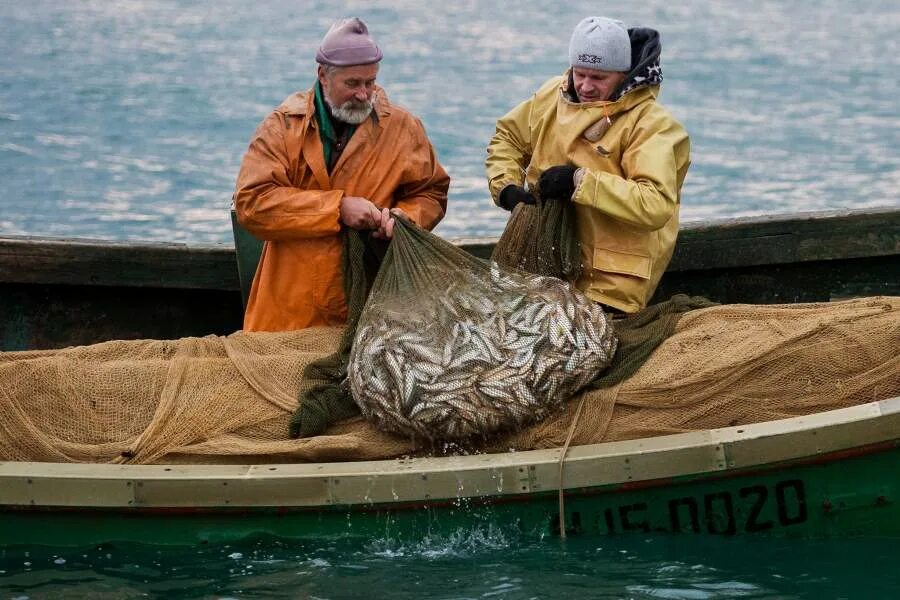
{"x": 327, "y": 131}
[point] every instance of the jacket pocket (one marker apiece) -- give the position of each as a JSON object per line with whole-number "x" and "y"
{"x": 329, "y": 292}
{"x": 625, "y": 263}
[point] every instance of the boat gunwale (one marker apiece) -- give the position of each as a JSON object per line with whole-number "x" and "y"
{"x": 704, "y": 245}
{"x": 630, "y": 464}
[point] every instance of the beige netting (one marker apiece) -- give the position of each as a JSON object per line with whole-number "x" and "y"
{"x": 230, "y": 399}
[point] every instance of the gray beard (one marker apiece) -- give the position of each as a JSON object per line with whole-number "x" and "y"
{"x": 351, "y": 111}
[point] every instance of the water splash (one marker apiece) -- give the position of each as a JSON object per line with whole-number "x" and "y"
{"x": 462, "y": 542}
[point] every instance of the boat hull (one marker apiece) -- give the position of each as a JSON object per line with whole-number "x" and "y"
{"x": 824, "y": 475}
{"x": 830, "y": 474}
{"x": 844, "y": 494}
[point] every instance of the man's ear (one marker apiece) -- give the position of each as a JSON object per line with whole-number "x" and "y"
{"x": 321, "y": 74}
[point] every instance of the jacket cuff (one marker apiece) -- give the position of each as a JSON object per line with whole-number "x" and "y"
{"x": 578, "y": 179}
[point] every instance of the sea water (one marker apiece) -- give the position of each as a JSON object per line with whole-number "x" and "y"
{"x": 482, "y": 563}
{"x": 127, "y": 119}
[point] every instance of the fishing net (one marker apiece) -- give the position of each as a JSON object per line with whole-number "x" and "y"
{"x": 450, "y": 346}
{"x": 327, "y": 400}
{"x": 541, "y": 239}
{"x": 229, "y": 399}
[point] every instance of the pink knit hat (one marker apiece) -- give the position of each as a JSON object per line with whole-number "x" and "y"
{"x": 348, "y": 43}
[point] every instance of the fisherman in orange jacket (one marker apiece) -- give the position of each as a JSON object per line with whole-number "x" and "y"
{"x": 337, "y": 155}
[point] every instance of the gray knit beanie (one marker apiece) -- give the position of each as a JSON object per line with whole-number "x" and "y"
{"x": 600, "y": 43}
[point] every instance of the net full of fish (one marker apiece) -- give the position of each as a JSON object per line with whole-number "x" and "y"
{"x": 477, "y": 355}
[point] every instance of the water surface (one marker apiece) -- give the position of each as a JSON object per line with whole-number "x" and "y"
{"x": 482, "y": 563}
{"x": 128, "y": 119}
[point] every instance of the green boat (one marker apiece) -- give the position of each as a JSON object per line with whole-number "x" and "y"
{"x": 827, "y": 474}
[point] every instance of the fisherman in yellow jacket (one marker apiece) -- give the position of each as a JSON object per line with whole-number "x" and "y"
{"x": 597, "y": 137}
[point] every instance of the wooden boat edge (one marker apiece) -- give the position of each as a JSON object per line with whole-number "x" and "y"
{"x": 717, "y": 452}
{"x": 704, "y": 245}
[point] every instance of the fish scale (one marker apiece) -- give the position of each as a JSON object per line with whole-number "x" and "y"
{"x": 494, "y": 355}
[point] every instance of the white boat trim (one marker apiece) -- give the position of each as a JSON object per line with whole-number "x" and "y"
{"x": 418, "y": 480}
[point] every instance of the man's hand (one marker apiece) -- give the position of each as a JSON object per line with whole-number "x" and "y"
{"x": 386, "y": 230}
{"x": 557, "y": 183}
{"x": 360, "y": 213}
{"x": 513, "y": 195}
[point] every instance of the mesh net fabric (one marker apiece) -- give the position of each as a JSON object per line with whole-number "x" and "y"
{"x": 541, "y": 239}
{"x": 230, "y": 399}
{"x": 327, "y": 399}
{"x": 418, "y": 269}
{"x": 450, "y": 346}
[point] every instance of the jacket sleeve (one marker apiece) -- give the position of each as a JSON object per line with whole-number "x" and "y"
{"x": 265, "y": 201}
{"x": 647, "y": 196}
{"x": 423, "y": 194}
{"x": 509, "y": 151}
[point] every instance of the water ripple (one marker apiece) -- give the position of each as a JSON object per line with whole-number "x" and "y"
{"x": 149, "y": 105}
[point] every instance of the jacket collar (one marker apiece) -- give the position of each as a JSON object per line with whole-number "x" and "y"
{"x": 609, "y": 107}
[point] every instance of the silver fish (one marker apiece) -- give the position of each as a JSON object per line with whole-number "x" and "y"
{"x": 476, "y": 354}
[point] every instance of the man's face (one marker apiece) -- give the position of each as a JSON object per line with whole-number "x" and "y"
{"x": 592, "y": 85}
{"x": 350, "y": 90}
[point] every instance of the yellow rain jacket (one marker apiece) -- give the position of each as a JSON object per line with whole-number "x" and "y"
{"x": 629, "y": 191}
{"x": 286, "y": 197}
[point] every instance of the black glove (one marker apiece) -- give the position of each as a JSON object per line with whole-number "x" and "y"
{"x": 557, "y": 183}
{"x": 512, "y": 195}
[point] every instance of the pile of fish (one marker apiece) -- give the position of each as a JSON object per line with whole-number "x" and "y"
{"x": 477, "y": 356}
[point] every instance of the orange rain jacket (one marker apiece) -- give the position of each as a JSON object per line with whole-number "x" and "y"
{"x": 285, "y": 196}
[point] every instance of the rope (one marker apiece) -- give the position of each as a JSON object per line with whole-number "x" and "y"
{"x": 562, "y": 459}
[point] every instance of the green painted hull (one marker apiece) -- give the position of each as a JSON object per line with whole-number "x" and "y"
{"x": 849, "y": 493}
{"x": 828, "y": 475}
